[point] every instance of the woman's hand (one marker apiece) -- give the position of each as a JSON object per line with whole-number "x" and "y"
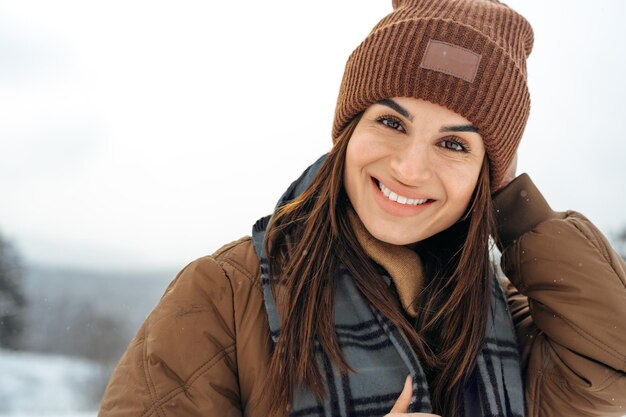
{"x": 401, "y": 407}
{"x": 509, "y": 175}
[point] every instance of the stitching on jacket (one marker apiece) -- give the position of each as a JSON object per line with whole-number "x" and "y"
{"x": 553, "y": 376}
{"x": 146, "y": 373}
{"x": 590, "y": 236}
{"x": 221, "y": 257}
{"x": 543, "y": 374}
{"x": 517, "y": 267}
{"x": 202, "y": 369}
{"x": 613, "y": 376}
{"x": 597, "y": 238}
{"x": 594, "y": 241}
{"x": 190, "y": 381}
{"x": 585, "y": 335}
{"x": 600, "y": 248}
{"x": 241, "y": 269}
{"x": 538, "y": 394}
{"x": 232, "y": 291}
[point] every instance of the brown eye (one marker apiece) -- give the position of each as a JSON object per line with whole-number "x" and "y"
{"x": 391, "y": 122}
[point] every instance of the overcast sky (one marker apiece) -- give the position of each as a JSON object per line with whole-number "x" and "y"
{"x": 147, "y": 133}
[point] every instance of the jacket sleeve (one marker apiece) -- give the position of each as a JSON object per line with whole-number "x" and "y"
{"x": 567, "y": 296}
{"x": 182, "y": 361}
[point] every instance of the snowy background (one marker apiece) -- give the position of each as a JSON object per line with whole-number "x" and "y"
{"x": 78, "y": 323}
{"x": 56, "y": 384}
{"x": 131, "y": 132}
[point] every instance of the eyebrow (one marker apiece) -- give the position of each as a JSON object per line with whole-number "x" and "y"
{"x": 392, "y": 104}
{"x": 404, "y": 112}
{"x": 459, "y": 128}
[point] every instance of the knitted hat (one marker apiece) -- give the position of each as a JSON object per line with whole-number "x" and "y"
{"x": 466, "y": 55}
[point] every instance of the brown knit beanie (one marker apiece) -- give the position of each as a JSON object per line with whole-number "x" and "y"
{"x": 466, "y": 55}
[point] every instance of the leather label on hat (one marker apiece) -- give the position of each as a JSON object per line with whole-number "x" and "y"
{"x": 451, "y": 59}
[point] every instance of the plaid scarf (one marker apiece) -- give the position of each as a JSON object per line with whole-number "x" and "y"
{"x": 381, "y": 356}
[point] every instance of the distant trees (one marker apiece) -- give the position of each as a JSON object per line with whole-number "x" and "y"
{"x": 12, "y": 300}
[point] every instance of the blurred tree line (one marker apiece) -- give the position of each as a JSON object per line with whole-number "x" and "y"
{"x": 12, "y": 299}
{"x": 73, "y": 312}
{"x": 35, "y": 319}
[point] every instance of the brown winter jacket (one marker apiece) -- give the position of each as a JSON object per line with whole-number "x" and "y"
{"x": 204, "y": 350}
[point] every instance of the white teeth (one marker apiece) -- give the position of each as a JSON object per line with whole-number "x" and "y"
{"x": 399, "y": 198}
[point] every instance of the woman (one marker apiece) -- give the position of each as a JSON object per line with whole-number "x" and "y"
{"x": 370, "y": 289}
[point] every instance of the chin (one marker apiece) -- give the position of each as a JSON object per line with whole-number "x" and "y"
{"x": 388, "y": 236}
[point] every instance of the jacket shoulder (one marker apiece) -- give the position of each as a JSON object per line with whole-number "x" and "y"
{"x": 239, "y": 258}
{"x": 188, "y": 342}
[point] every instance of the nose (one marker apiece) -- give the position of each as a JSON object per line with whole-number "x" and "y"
{"x": 412, "y": 164}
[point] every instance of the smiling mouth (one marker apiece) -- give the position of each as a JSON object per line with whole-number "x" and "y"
{"x": 400, "y": 198}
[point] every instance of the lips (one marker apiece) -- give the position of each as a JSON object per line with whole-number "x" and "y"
{"x": 395, "y": 208}
{"x": 398, "y": 198}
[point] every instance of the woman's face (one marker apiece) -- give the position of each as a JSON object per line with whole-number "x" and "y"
{"x": 411, "y": 168}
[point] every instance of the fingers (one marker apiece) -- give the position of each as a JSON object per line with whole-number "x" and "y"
{"x": 403, "y": 401}
{"x": 401, "y": 407}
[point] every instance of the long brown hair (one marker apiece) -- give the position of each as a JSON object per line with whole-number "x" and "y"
{"x": 311, "y": 236}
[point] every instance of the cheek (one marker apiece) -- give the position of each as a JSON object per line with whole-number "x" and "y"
{"x": 356, "y": 158}
{"x": 360, "y": 154}
{"x": 354, "y": 153}
{"x": 364, "y": 148}
{"x": 350, "y": 169}
{"x": 461, "y": 184}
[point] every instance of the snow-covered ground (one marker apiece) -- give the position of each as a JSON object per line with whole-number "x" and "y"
{"x": 45, "y": 414}
{"x": 36, "y": 385}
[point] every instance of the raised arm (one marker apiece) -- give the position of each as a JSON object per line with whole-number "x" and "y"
{"x": 568, "y": 301}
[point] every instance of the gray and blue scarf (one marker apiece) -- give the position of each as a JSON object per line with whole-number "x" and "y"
{"x": 381, "y": 356}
